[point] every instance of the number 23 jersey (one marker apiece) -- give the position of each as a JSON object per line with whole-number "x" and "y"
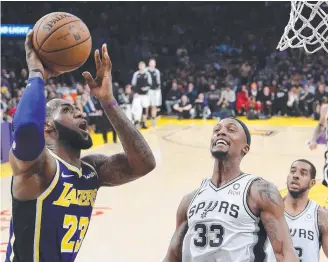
{"x": 52, "y": 227}
{"x": 221, "y": 227}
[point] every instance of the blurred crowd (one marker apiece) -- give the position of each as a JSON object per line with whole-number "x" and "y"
{"x": 225, "y": 65}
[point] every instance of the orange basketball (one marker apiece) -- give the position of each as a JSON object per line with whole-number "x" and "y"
{"x": 62, "y": 41}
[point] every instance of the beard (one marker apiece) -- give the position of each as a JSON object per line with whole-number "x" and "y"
{"x": 72, "y": 138}
{"x": 219, "y": 154}
{"x": 298, "y": 193}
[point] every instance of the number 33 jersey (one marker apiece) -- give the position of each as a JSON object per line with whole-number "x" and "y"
{"x": 221, "y": 227}
{"x": 52, "y": 227}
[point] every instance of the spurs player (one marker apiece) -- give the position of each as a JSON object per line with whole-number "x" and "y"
{"x": 155, "y": 93}
{"x": 307, "y": 221}
{"x": 230, "y": 216}
{"x": 318, "y": 131}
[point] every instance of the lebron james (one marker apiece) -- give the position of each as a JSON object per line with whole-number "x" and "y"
{"x": 53, "y": 188}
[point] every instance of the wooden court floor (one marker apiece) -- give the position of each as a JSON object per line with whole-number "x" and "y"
{"x": 135, "y": 222}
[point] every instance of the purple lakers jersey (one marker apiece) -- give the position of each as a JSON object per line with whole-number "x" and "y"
{"x": 52, "y": 227}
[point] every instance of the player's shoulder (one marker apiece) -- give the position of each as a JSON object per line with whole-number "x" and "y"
{"x": 264, "y": 191}
{"x": 259, "y": 183}
{"x": 94, "y": 160}
{"x": 187, "y": 199}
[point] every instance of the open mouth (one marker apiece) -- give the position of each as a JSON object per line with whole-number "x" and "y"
{"x": 83, "y": 125}
{"x": 220, "y": 142}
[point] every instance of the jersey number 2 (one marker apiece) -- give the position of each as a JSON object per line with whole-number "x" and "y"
{"x": 72, "y": 224}
{"x": 202, "y": 238}
{"x": 299, "y": 252}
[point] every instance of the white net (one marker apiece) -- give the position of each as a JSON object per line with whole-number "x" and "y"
{"x": 307, "y": 27}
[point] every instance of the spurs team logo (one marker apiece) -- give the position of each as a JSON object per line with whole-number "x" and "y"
{"x": 214, "y": 206}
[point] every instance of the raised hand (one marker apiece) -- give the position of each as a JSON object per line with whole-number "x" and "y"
{"x": 33, "y": 61}
{"x": 101, "y": 86}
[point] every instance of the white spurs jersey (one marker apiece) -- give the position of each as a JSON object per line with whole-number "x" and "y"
{"x": 221, "y": 227}
{"x": 305, "y": 234}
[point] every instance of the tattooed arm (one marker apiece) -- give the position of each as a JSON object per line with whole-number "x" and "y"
{"x": 270, "y": 207}
{"x": 138, "y": 159}
{"x": 323, "y": 228}
{"x": 174, "y": 253}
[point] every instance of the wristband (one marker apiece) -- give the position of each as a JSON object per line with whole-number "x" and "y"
{"x": 37, "y": 70}
{"x": 110, "y": 105}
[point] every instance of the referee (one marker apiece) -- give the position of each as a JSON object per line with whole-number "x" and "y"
{"x": 155, "y": 94}
{"x": 141, "y": 82}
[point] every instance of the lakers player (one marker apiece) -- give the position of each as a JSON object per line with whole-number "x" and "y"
{"x": 230, "y": 216}
{"x": 53, "y": 189}
{"x": 307, "y": 221}
{"x": 318, "y": 131}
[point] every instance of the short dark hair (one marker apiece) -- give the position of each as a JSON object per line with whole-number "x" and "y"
{"x": 246, "y": 130}
{"x": 313, "y": 170}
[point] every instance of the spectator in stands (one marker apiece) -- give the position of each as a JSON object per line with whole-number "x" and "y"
{"x": 310, "y": 84}
{"x": 242, "y": 101}
{"x": 13, "y": 83}
{"x": 255, "y": 96}
{"x": 201, "y": 110}
{"x": 293, "y": 102}
{"x": 228, "y": 96}
{"x": 266, "y": 100}
{"x": 245, "y": 72}
{"x": 172, "y": 97}
{"x": 22, "y": 80}
{"x": 213, "y": 98}
{"x": 306, "y": 102}
{"x": 183, "y": 108}
{"x": 280, "y": 102}
{"x": 191, "y": 93}
{"x": 224, "y": 110}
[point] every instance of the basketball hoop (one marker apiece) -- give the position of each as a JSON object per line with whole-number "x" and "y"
{"x": 307, "y": 27}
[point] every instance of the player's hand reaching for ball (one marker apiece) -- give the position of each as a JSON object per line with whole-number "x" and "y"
{"x": 35, "y": 66}
{"x": 101, "y": 86}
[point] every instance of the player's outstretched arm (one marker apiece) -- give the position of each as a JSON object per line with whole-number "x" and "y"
{"x": 138, "y": 159}
{"x": 270, "y": 205}
{"x": 28, "y": 149}
{"x": 323, "y": 228}
{"x": 320, "y": 128}
{"x": 174, "y": 252}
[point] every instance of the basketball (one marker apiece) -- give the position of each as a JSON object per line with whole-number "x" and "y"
{"x": 62, "y": 41}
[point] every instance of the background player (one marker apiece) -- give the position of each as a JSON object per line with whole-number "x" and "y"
{"x": 141, "y": 82}
{"x": 307, "y": 221}
{"x": 53, "y": 189}
{"x": 318, "y": 131}
{"x": 228, "y": 218}
{"x": 155, "y": 93}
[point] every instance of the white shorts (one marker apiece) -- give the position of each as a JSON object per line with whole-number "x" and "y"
{"x": 155, "y": 97}
{"x": 143, "y": 100}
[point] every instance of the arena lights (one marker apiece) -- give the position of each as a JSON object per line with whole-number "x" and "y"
{"x": 14, "y": 29}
